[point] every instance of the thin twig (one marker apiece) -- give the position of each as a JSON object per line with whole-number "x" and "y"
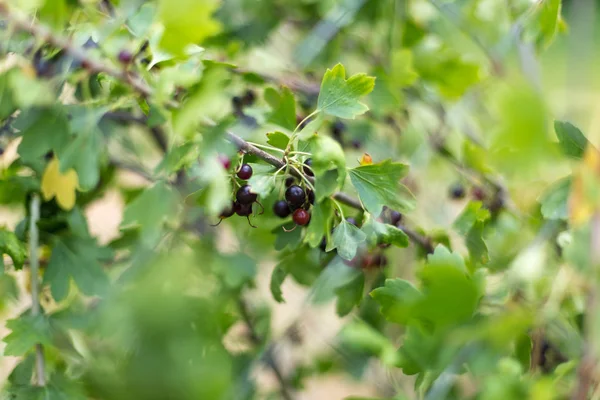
{"x": 258, "y": 341}
{"x": 34, "y": 265}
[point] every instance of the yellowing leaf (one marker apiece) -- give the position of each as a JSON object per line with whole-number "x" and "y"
{"x": 63, "y": 186}
{"x": 187, "y": 22}
{"x": 585, "y": 193}
{"x": 366, "y": 159}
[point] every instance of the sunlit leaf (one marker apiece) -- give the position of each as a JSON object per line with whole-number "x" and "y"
{"x": 59, "y": 185}
{"x": 340, "y": 96}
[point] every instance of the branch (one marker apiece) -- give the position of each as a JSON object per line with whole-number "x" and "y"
{"x": 258, "y": 341}
{"x": 138, "y": 85}
{"x": 34, "y": 267}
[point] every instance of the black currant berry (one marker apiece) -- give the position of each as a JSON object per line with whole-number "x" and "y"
{"x": 379, "y": 260}
{"x": 311, "y": 196}
{"x": 245, "y": 172}
{"x": 281, "y": 209}
{"x": 248, "y": 98}
{"x": 338, "y": 128}
{"x": 290, "y": 181}
{"x": 457, "y": 191}
{"x": 356, "y": 144}
{"x": 243, "y": 210}
{"x": 323, "y": 244}
{"x": 125, "y": 57}
{"x": 237, "y": 103}
{"x": 395, "y": 217}
{"x": 301, "y": 217}
{"x": 352, "y": 221}
{"x": 228, "y": 211}
{"x": 295, "y": 196}
{"x": 245, "y": 196}
{"x": 225, "y": 161}
{"x": 308, "y": 167}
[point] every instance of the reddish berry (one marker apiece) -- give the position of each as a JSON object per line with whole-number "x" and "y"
{"x": 225, "y": 161}
{"x": 281, "y": 209}
{"x": 245, "y": 196}
{"x": 295, "y": 196}
{"x": 301, "y": 217}
{"x": 125, "y": 57}
{"x": 307, "y": 167}
{"x": 478, "y": 193}
{"x": 245, "y": 172}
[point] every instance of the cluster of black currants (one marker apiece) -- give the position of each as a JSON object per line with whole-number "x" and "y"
{"x": 297, "y": 201}
{"x": 244, "y": 197}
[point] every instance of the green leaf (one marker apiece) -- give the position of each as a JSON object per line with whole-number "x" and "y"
{"x": 262, "y": 181}
{"x": 83, "y": 152}
{"x": 572, "y": 141}
{"x": 76, "y": 258}
{"x": 43, "y": 129}
{"x": 186, "y": 22}
{"x": 284, "y": 107}
{"x": 285, "y": 239}
{"x": 340, "y": 97}
{"x": 379, "y": 233}
{"x": 27, "y": 331}
{"x": 320, "y": 221}
{"x": 278, "y": 139}
{"x": 549, "y": 20}
{"x": 30, "y": 92}
{"x": 325, "y": 184}
{"x": 346, "y": 239}
{"x": 398, "y": 299}
{"x": 327, "y": 154}
{"x": 473, "y": 213}
{"x": 277, "y": 277}
{"x": 7, "y": 102}
{"x": 236, "y": 269}
{"x": 150, "y": 209}
{"x": 312, "y": 128}
{"x": 478, "y": 250}
{"x": 448, "y": 293}
{"x": 403, "y": 73}
{"x": 11, "y": 245}
{"x": 555, "y": 199}
{"x": 378, "y": 185}
{"x": 349, "y": 295}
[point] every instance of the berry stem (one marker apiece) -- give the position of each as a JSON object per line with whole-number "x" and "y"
{"x": 264, "y": 146}
{"x": 304, "y": 177}
{"x": 339, "y": 207}
{"x": 295, "y": 133}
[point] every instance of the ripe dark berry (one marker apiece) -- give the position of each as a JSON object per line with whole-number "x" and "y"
{"x": 379, "y": 260}
{"x": 237, "y": 103}
{"x": 478, "y": 193}
{"x": 395, "y": 217}
{"x": 457, "y": 191}
{"x": 356, "y": 144}
{"x": 249, "y": 97}
{"x": 243, "y": 210}
{"x": 290, "y": 181}
{"x": 228, "y": 211}
{"x": 281, "y": 209}
{"x": 245, "y": 196}
{"x": 125, "y": 57}
{"x": 225, "y": 161}
{"x": 301, "y": 217}
{"x": 307, "y": 167}
{"x": 245, "y": 172}
{"x": 338, "y": 128}
{"x": 311, "y": 196}
{"x": 295, "y": 196}
{"x": 352, "y": 221}
{"x": 323, "y": 244}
